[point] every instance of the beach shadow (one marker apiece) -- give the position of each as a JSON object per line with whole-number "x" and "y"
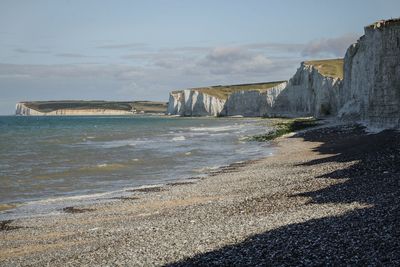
{"x": 363, "y": 237}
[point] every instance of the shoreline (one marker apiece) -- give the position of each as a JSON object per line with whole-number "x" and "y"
{"x": 319, "y": 191}
{"x": 197, "y": 169}
{"x": 56, "y": 206}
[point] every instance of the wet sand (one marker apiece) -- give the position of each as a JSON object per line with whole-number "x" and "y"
{"x": 328, "y": 196}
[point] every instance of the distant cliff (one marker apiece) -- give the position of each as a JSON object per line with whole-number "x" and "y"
{"x": 253, "y": 103}
{"x": 43, "y": 108}
{"x": 312, "y": 91}
{"x": 371, "y": 89}
{"x": 194, "y": 103}
{"x": 218, "y": 100}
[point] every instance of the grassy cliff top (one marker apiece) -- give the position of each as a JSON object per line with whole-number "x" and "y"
{"x": 328, "y": 67}
{"x": 384, "y": 23}
{"x": 223, "y": 91}
{"x": 146, "y": 106}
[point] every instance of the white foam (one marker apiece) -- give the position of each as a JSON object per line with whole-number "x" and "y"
{"x": 114, "y": 143}
{"x": 69, "y": 198}
{"x": 102, "y": 165}
{"x": 215, "y": 129}
{"x": 179, "y": 138}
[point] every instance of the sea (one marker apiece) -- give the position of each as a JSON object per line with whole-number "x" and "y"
{"x": 49, "y": 162}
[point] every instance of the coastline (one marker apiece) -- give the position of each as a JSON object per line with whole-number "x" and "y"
{"x": 181, "y": 144}
{"x": 56, "y": 206}
{"x": 317, "y": 189}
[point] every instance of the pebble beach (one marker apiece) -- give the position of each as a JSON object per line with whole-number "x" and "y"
{"x": 328, "y": 196}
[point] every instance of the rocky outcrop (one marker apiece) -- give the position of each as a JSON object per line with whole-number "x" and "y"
{"x": 194, "y": 103}
{"x": 22, "y": 109}
{"x": 308, "y": 93}
{"x": 371, "y": 90}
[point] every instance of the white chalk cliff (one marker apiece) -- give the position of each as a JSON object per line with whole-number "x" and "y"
{"x": 194, "y": 103}
{"x": 22, "y": 109}
{"x": 308, "y": 93}
{"x": 252, "y": 103}
{"x": 371, "y": 89}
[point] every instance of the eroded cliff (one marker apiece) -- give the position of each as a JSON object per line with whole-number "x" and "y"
{"x": 222, "y": 100}
{"x": 253, "y": 103}
{"x": 312, "y": 91}
{"x": 194, "y": 103}
{"x": 371, "y": 90}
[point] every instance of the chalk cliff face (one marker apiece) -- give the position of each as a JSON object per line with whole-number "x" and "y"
{"x": 308, "y": 93}
{"x": 371, "y": 90}
{"x": 194, "y": 103}
{"x": 252, "y": 103}
{"x": 22, "y": 109}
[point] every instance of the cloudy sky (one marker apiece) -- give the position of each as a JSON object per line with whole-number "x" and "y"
{"x": 141, "y": 50}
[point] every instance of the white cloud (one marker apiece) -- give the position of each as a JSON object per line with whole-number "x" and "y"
{"x": 122, "y": 46}
{"x": 75, "y": 55}
{"x": 328, "y": 47}
{"x": 70, "y": 70}
{"x": 31, "y": 51}
{"x": 234, "y": 60}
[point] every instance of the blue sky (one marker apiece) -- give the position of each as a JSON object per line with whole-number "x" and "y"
{"x": 141, "y": 50}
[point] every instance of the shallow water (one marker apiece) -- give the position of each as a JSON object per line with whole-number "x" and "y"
{"x": 43, "y": 158}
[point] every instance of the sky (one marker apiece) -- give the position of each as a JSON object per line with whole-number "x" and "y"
{"x": 141, "y": 50}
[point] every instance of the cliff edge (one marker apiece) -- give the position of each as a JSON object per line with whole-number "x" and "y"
{"x": 213, "y": 100}
{"x": 371, "y": 89}
{"x": 48, "y": 108}
{"x": 312, "y": 91}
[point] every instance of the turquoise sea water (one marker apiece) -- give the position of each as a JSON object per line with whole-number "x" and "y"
{"x": 45, "y": 158}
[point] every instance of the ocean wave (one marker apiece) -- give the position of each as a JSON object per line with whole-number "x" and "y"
{"x": 111, "y": 144}
{"x": 7, "y": 206}
{"x": 179, "y": 138}
{"x": 77, "y": 171}
{"x": 122, "y": 155}
{"x": 207, "y": 169}
{"x": 108, "y": 166}
{"x": 216, "y": 128}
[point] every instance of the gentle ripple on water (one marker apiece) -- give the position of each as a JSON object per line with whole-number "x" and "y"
{"x": 50, "y": 157}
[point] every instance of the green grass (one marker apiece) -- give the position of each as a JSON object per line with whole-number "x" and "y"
{"x": 48, "y": 106}
{"x": 284, "y": 126}
{"x": 223, "y": 91}
{"x": 329, "y": 67}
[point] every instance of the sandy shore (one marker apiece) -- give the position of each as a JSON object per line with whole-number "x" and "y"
{"x": 328, "y": 196}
